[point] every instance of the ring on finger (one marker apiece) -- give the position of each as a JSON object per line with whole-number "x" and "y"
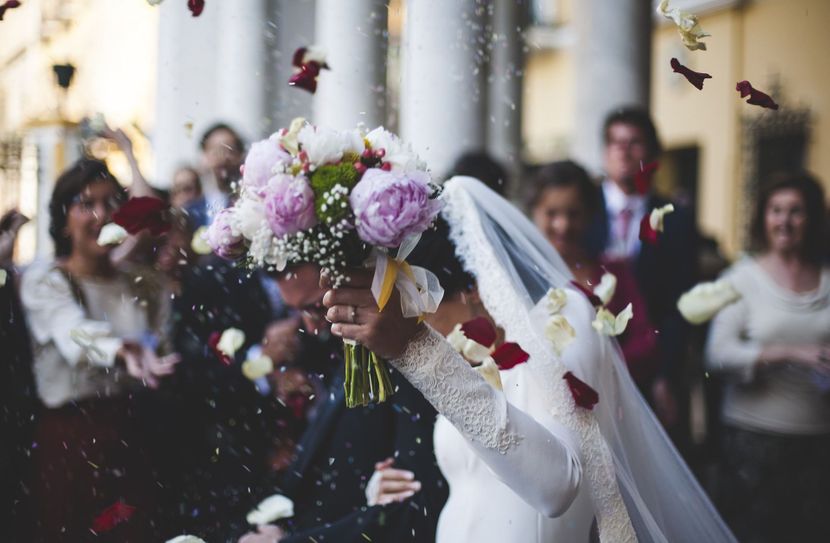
{"x": 353, "y": 314}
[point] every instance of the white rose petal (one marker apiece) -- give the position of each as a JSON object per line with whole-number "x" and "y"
{"x": 397, "y": 153}
{"x": 230, "y": 342}
{"x": 687, "y": 26}
{"x": 3, "y": 275}
{"x": 288, "y": 140}
{"x": 655, "y": 219}
{"x": 257, "y": 367}
{"x": 327, "y": 146}
{"x": 270, "y": 509}
{"x": 315, "y": 53}
{"x": 490, "y": 371}
{"x": 606, "y": 287}
{"x": 607, "y": 324}
{"x": 185, "y": 538}
{"x": 557, "y": 298}
{"x": 559, "y": 332}
{"x": 457, "y": 339}
{"x": 247, "y": 216}
{"x": 469, "y": 349}
{"x": 112, "y": 234}
{"x": 199, "y": 242}
{"x": 704, "y": 301}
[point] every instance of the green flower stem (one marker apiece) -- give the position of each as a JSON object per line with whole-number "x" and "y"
{"x": 367, "y": 377}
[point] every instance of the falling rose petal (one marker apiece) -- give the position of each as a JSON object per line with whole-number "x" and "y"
{"x": 705, "y": 300}
{"x": 609, "y": 325}
{"x": 199, "y": 242}
{"x": 756, "y": 97}
{"x": 556, "y": 299}
{"x": 657, "y": 216}
{"x": 196, "y": 7}
{"x": 255, "y": 368}
{"x": 490, "y": 371}
{"x": 693, "y": 77}
{"x": 10, "y": 4}
{"x": 270, "y": 509}
{"x": 643, "y": 178}
{"x": 592, "y": 298}
{"x": 213, "y": 342}
{"x": 143, "y": 213}
{"x": 470, "y": 348}
{"x": 687, "y": 26}
{"x": 230, "y": 341}
{"x": 509, "y": 355}
{"x": 480, "y": 330}
{"x": 584, "y": 396}
{"x": 112, "y": 234}
{"x": 309, "y": 61}
{"x": 606, "y": 287}
{"x": 112, "y": 516}
{"x": 559, "y": 332}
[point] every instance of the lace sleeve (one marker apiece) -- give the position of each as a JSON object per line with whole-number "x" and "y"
{"x": 508, "y": 440}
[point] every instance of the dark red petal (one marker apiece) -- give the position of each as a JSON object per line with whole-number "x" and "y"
{"x": 592, "y": 298}
{"x": 297, "y": 59}
{"x": 647, "y": 233}
{"x": 144, "y": 212}
{"x": 196, "y": 7}
{"x": 756, "y": 97}
{"x": 112, "y": 516}
{"x": 213, "y": 343}
{"x": 584, "y": 396}
{"x": 509, "y": 355}
{"x": 693, "y": 77}
{"x": 642, "y": 179}
{"x": 10, "y": 4}
{"x": 480, "y": 330}
{"x": 305, "y": 79}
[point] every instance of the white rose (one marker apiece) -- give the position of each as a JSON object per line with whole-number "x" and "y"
{"x": 112, "y": 234}
{"x": 199, "y": 242}
{"x": 270, "y": 509}
{"x": 655, "y": 219}
{"x": 185, "y": 538}
{"x": 258, "y": 367}
{"x": 490, "y": 371}
{"x": 704, "y": 301}
{"x": 559, "y": 332}
{"x": 606, "y": 287}
{"x": 326, "y": 146}
{"x": 556, "y": 299}
{"x": 397, "y": 153}
{"x": 230, "y": 342}
{"x": 607, "y": 324}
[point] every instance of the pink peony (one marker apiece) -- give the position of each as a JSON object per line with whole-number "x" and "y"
{"x": 289, "y": 204}
{"x": 391, "y": 206}
{"x": 263, "y": 158}
{"x": 221, "y": 238}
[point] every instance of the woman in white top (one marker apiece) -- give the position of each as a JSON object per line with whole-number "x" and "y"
{"x": 95, "y": 331}
{"x": 773, "y": 347}
{"x": 529, "y": 463}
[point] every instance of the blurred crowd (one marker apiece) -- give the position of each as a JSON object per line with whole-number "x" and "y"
{"x": 113, "y": 391}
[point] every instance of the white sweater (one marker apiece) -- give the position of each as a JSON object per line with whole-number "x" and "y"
{"x": 785, "y": 398}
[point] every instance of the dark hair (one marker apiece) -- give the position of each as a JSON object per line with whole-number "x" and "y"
{"x": 813, "y": 196}
{"x": 561, "y": 174}
{"x": 635, "y": 116}
{"x": 436, "y": 252}
{"x": 68, "y": 186}
{"x": 480, "y": 165}
{"x": 239, "y": 143}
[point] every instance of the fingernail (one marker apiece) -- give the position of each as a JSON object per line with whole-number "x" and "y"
{"x": 416, "y": 485}
{"x": 335, "y": 329}
{"x": 410, "y": 475}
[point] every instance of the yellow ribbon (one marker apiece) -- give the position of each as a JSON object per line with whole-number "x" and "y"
{"x": 390, "y": 277}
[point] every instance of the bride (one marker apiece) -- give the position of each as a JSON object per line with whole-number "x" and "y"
{"x": 526, "y": 463}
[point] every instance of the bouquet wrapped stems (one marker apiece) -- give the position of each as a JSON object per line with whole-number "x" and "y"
{"x": 367, "y": 377}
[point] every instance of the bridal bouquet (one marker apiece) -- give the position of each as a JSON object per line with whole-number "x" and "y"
{"x": 340, "y": 199}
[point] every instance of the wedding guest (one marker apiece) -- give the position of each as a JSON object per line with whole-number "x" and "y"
{"x": 485, "y": 168}
{"x": 773, "y": 346}
{"x": 664, "y": 270}
{"x": 223, "y": 152}
{"x": 563, "y": 203}
{"x": 338, "y": 453}
{"x": 186, "y": 187}
{"x": 95, "y": 328}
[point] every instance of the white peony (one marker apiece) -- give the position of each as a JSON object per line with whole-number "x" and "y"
{"x": 230, "y": 342}
{"x": 559, "y": 332}
{"x": 556, "y": 299}
{"x": 397, "y": 153}
{"x": 255, "y": 368}
{"x": 607, "y": 324}
{"x": 655, "y": 219}
{"x": 112, "y": 234}
{"x": 704, "y": 301}
{"x": 327, "y": 146}
{"x": 490, "y": 371}
{"x": 248, "y": 215}
{"x": 606, "y": 287}
{"x": 270, "y": 509}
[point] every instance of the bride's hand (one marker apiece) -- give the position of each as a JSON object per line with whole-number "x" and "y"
{"x": 389, "y": 485}
{"x": 354, "y": 315}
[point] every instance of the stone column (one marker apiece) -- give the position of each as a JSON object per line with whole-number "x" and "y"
{"x": 354, "y": 36}
{"x": 612, "y": 61}
{"x": 443, "y": 90}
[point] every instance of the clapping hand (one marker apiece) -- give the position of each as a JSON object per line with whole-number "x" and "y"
{"x": 389, "y": 485}
{"x": 266, "y": 533}
{"x": 143, "y": 363}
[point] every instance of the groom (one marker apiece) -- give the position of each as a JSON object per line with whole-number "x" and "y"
{"x": 338, "y": 452}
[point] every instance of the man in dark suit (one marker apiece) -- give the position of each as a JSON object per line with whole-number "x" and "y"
{"x": 663, "y": 270}
{"x": 338, "y": 452}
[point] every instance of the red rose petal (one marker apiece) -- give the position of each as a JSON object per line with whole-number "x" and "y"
{"x": 144, "y": 212}
{"x": 10, "y": 4}
{"x": 196, "y": 7}
{"x": 592, "y": 298}
{"x": 213, "y": 343}
{"x": 480, "y": 330}
{"x": 642, "y": 180}
{"x": 647, "y": 233}
{"x": 693, "y": 77}
{"x": 299, "y": 55}
{"x": 112, "y": 516}
{"x": 509, "y": 355}
{"x": 584, "y": 396}
{"x": 756, "y": 97}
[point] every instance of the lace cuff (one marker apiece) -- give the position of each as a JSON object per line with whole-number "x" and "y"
{"x": 457, "y": 391}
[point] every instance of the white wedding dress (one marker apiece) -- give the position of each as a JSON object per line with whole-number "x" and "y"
{"x": 526, "y": 464}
